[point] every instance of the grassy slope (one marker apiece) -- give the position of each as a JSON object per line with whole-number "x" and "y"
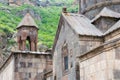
{"x": 48, "y": 24}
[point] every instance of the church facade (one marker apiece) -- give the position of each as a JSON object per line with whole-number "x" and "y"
{"x": 86, "y": 45}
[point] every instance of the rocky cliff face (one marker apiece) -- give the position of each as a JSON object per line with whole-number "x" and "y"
{"x": 42, "y": 3}
{"x": 21, "y": 2}
{"x": 4, "y": 1}
{"x": 91, "y": 8}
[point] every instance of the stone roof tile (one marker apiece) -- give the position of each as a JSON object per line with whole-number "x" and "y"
{"x": 81, "y": 24}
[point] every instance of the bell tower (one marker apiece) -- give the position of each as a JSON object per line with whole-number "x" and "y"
{"x": 91, "y": 8}
{"x": 27, "y": 34}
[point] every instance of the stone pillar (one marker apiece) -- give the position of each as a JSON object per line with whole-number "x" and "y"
{"x": 35, "y": 46}
{"x": 19, "y": 45}
{"x": 32, "y": 46}
{"x": 36, "y": 43}
{"x": 23, "y": 45}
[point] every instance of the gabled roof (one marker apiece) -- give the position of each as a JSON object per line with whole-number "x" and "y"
{"x": 81, "y": 24}
{"x": 106, "y": 13}
{"x": 27, "y": 21}
{"x": 113, "y": 28}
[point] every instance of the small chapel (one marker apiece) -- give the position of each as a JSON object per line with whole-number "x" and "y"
{"x": 26, "y": 63}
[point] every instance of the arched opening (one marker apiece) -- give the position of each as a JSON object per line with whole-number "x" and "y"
{"x": 28, "y": 45}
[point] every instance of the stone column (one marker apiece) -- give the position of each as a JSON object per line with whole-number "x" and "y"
{"x": 35, "y": 46}
{"x": 32, "y": 46}
{"x": 23, "y": 44}
{"x": 19, "y": 45}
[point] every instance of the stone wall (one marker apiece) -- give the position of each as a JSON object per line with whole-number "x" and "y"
{"x": 7, "y": 71}
{"x": 92, "y": 7}
{"x": 30, "y": 66}
{"x": 71, "y": 39}
{"x": 114, "y": 35}
{"x": 21, "y": 2}
{"x": 105, "y": 23}
{"x": 101, "y": 63}
{"x": 49, "y": 78}
{"x": 116, "y": 68}
{"x": 49, "y": 75}
{"x": 26, "y": 66}
{"x": 88, "y": 43}
{"x": 98, "y": 67}
{"x": 77, "y": 45}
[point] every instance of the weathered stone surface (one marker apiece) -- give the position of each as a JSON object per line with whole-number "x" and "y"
{"x": 103, "y": 24}
{"x": 89, "y": 43}
{"x": 102, "y": 65}
{"x": 24, "y": 66}
{"x": 114, "y": 35}
{"x": 21, "y": 2}
{"x": 7, "y": 72}
{"x": 27, "y": 31}
{"x": 116, "y": 74}
{"x": 96, "y": 68}
{"x": 67, "y": 36}
{"x": 92, "y": 7}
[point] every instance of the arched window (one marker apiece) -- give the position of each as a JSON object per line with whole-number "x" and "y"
{"x": 65, "y": 57}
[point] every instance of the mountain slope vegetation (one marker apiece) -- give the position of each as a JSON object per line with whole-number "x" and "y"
{"x": 47, "y": 19}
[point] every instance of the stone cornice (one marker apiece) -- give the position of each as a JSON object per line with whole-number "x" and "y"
{"x": 102, "y": 48}
{"x": 21, "y": 52}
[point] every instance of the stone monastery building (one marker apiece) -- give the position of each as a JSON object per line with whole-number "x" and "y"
{"x": 27, "y": 64}
{"x": 86, "y": 46}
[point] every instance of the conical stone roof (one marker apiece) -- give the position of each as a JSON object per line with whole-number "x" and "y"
{"x": 27, "y": 21}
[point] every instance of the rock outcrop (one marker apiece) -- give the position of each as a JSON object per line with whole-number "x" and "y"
{"x": 21, "y": 2}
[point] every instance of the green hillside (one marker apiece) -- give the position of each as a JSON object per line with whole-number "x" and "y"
{"x": 11, "y": 16}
